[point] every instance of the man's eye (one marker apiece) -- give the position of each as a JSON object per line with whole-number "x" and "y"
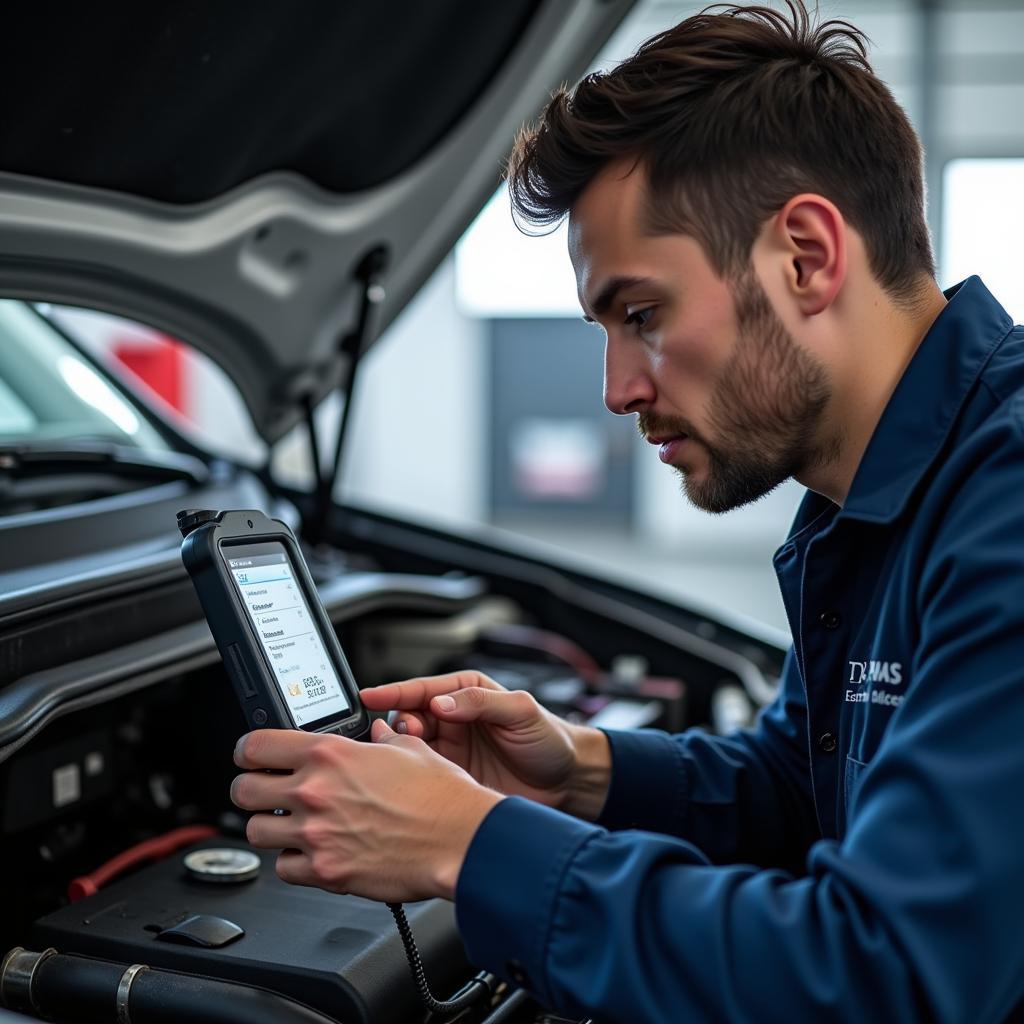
{"x": 640, "y": 317}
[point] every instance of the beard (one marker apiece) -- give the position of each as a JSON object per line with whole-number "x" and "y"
{"x": 765, "y": 411}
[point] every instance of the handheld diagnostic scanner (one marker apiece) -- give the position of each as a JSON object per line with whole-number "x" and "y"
{"x": 272, "y": 630}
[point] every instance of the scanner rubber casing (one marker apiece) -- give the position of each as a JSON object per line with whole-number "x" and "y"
{"x": 250, "y": 674}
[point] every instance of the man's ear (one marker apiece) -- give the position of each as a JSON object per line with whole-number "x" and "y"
{"x": 812, "y": 233}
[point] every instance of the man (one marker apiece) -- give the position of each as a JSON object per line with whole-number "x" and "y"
{"x": 746, "y": 223}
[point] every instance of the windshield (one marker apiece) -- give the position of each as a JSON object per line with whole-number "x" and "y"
{"x": 51, "y": 395}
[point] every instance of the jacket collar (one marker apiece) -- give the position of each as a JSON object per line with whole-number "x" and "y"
{"x": 927, "y": 401}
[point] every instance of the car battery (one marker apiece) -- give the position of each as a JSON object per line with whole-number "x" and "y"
{"x": 219, "y": 909}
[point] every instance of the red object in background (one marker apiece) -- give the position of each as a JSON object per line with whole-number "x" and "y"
{"x": 151, "y": 849}
{"x": 159, "y": 362}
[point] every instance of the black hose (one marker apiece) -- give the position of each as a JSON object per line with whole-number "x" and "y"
{"x": 78, "y": 989}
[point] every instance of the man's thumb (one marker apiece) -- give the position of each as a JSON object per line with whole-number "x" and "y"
{"x": 501, "y": 707}
{"x": 381, "y": 732}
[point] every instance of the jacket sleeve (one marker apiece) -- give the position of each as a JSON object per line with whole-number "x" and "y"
{"x": 914, "y": 916}
{"x": 744, "y": 797}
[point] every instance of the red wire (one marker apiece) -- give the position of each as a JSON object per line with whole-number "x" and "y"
{"x": 150, "y": 849}
{"x": 553, "y": 644}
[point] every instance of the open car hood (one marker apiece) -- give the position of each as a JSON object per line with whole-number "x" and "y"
{"x": 223, "y": 171}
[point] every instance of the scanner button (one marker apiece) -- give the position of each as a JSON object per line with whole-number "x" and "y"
{"x": 259, "y": 717}
{"x": 203, "y": 930}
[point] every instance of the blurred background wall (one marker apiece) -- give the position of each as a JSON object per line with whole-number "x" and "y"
{"x": 481, "y": 409}
{"x": 558, "y": 467}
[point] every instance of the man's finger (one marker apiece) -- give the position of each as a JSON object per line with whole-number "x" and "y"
{"x": 272, "y": 832}
{"x": 417, "y": 693}
{"x": 273, "y": 748}
{"x": 294, "y": 867}
{"x": 498, "y": 707}
{"x": 257, "y": 791}
{"x": 381, "y": 732}
{"x": 412, "y": 723}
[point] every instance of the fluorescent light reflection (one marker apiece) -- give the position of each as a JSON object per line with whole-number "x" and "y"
{"x": 92, "y": 389}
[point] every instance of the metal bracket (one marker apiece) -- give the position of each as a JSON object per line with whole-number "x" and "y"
{"x": 17, "y": 976}
{"x": 124, "y": 991}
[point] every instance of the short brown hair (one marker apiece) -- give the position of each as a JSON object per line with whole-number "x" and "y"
{"x": 732, "y": 113}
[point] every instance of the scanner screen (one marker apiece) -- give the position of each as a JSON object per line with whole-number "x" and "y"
{"x": 288, "y": 633}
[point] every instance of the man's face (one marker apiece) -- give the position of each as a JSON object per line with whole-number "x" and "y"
{"x": 735, "y": 405}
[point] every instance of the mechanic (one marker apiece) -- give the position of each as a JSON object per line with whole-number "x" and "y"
{"x": 746, "y": 223}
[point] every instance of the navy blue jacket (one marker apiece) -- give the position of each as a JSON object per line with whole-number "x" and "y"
{"x": 859, "y": 855}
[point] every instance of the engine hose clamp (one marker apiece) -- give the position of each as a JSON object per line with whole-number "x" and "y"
{"x": 17, "y": 976}
{"x": 124, "y": 989}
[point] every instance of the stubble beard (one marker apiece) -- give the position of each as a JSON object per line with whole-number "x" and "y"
{"x": 765, "y": 412}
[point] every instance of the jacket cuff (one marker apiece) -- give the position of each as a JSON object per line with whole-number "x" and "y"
{"x": 509, "y": 885}
{"x": 649, "y": 782}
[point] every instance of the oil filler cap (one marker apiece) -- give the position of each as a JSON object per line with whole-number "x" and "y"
{"x": 222, "y": 865}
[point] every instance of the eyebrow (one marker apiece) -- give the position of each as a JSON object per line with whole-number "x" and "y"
{"x": 606, "y": 296}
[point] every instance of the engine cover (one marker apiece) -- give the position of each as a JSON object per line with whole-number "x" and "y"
{"x": 341, "y": 955}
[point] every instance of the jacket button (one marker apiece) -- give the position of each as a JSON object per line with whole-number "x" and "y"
{"x": 830, "y": 620}
{"x": 827, "y": 742}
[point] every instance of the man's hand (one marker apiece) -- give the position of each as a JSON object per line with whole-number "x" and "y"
{"x": 389, "y": 820}
{"x": 503, "y": 738}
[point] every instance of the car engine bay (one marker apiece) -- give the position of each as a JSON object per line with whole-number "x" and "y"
{"x": 126, "y": 864}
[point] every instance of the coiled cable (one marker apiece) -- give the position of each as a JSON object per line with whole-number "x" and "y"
{"x": 476, "y": 988}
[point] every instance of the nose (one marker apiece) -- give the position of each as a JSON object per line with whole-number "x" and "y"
{"x": 628, "y": 386}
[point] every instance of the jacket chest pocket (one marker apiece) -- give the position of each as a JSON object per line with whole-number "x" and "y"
{"x": 873, "y": 691}
{"x": 851, "y": 782}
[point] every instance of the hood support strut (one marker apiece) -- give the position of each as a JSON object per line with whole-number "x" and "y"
{"x": 351, "y": 348}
